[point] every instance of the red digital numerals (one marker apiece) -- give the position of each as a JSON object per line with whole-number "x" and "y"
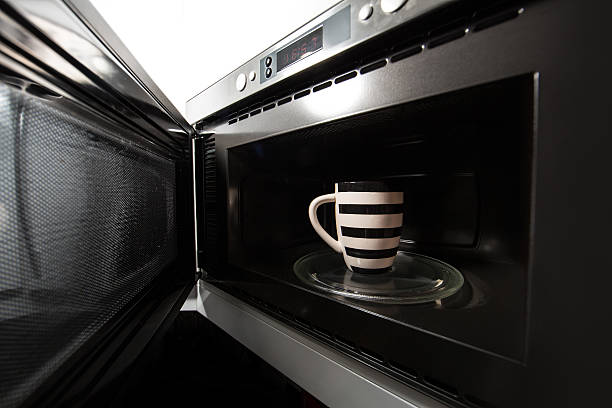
{"x": 299, "y": 49}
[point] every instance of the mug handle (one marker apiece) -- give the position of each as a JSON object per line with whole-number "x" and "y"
{"x": 312, "y": 214}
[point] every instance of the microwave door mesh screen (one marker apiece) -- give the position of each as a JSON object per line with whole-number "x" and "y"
{"x": 87, "y": 220}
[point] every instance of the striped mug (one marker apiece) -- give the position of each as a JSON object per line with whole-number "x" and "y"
{"x": 368, "y": 222}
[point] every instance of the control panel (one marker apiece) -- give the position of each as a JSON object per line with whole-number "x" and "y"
{"x": 344, "y": 25}
{"x": 330, "y": 32}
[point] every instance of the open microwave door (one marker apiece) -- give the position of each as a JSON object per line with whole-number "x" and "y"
{"x": 96, "y": 225}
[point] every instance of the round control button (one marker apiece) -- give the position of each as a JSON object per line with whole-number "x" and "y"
{"x": 252, "y": 76}
{"x": 391, "y": 6}
{"x": 268, "y": 72}
{"x": 241, "y": 81}
{"x": 365, "y": 12}
{"x": 268, "y": 61}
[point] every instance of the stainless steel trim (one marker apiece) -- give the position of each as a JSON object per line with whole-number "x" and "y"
{"x": 96, "y": 23}
{"x": 195, "y": 202}
{"x": 462, "y": 63}
{"x": 191, "y": 302}
{"x": 334, "y": 378}
{"x": 54, "y": 40}
{"x": 223, "y": 93}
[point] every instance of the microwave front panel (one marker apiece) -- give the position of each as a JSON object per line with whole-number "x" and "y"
{"x": 341, "y": 28}
{"x": 473, "y": 127}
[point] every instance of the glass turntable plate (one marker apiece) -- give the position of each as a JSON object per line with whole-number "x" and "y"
{"x": 413, "y": 278}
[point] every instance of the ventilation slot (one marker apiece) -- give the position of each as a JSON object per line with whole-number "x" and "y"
{"x": 232, "y": 121}
{"x": 493, "y": 16}
{"x": 447, "y": 33}
{"x": 255, "y": 112}
{"x": 210, "y": 203}
{"x": 372, "y": 67}
{"x": 407, "y": 53}
{"x": 410, "y": 43}
{"x": 268, "y": 107}
{"x": 322, "y": 86}
{"x": 346, "y": 77}
{"x": 284, "y": 101}
{"x": 301, "y": 94}
{"x": 243, "y": 117}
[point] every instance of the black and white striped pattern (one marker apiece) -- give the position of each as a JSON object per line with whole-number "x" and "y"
{"x": 369, "y": 224}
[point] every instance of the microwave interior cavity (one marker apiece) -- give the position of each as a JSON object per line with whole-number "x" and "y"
{"x": 463, "y": 160}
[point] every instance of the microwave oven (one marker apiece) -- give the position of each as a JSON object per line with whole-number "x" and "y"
{"x": 490, "y": 117}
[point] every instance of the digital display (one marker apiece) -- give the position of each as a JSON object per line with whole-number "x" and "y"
{"x": 302, "y": 48}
